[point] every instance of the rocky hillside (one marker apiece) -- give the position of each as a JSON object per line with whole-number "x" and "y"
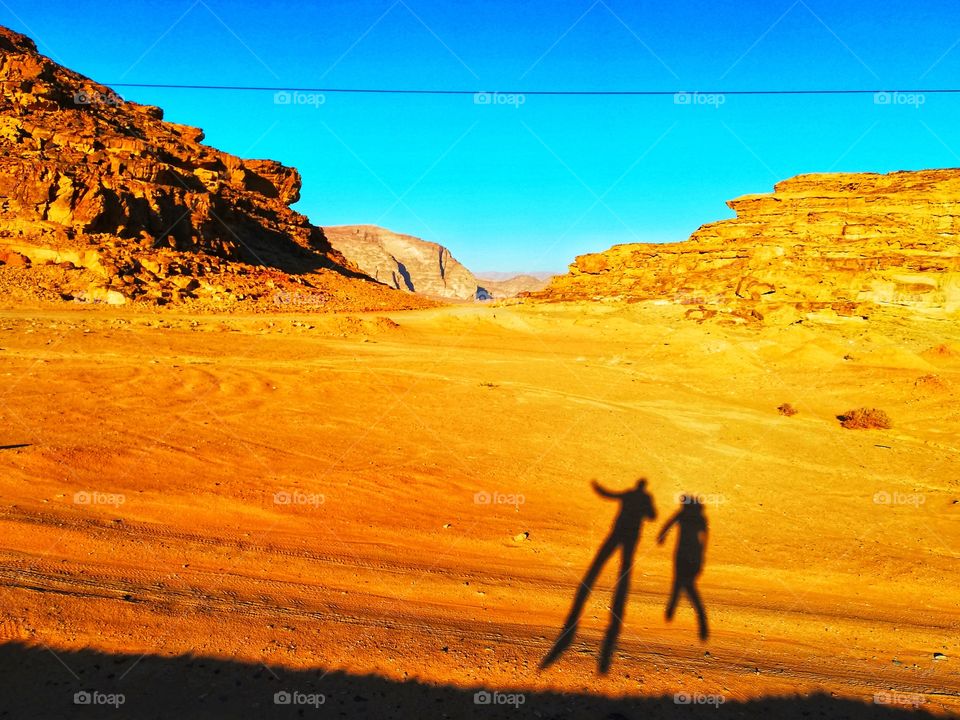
{"x": 403, "y": 261}
{"x": 102, "y": 200}
{"x": 840, "y": 243}
{"x": 419, "y": 266}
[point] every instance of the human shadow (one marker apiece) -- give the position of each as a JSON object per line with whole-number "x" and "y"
{"x": 688, "y": 557}
{"x": 635, "y": 506}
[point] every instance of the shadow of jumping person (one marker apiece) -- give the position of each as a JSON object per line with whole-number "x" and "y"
{"x": 688, "y": 558}
{"x": 635, "y": 506}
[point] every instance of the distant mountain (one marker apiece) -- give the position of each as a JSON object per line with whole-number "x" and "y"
{"x": 497, "y": 276}
{"x": 505, "y": 285}
{"x": 403, "y": 261}
{"x": 409, "y": 263}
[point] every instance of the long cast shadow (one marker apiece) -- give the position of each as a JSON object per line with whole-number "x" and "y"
{"x": 42, "y": 684}
{"x": 636, "y": 505}
{"x": 688, "y": 557}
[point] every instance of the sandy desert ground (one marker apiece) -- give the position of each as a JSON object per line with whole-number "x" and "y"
{"x": 201, "y": 511}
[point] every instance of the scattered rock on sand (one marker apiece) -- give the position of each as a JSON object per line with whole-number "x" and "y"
{"x": 865, "y": 419}
{"x": 787, "y": 409}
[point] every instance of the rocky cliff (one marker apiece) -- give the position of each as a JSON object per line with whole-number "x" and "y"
{"x": 839, "y": 243}
{"x": 129, "y": 206}
{"x": 403, "y": 261}
{"x": 419, "y": 266}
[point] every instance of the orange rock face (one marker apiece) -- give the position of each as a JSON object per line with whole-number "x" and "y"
{"x": 139, "y": 203}
{"x": 842, "y": 242}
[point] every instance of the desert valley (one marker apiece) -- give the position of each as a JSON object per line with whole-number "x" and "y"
{"x": 256, "y": 467}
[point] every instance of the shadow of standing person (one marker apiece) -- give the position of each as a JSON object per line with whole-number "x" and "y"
{"x": 635, "y": 506}
{"x": 688, "y": 559}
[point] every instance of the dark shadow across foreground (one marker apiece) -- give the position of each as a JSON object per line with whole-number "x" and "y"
{"x": 38, "y": 684}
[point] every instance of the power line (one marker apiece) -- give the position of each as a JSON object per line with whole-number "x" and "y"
{"x": 423, "y": 91}
{"x": 612, "y": 93}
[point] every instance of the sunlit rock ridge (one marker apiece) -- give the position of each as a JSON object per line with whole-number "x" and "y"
{"x": 840, "y": 242}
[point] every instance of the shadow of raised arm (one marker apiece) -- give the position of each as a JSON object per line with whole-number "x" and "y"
{"x": 635, "y": 506}
{"x": 603, "y": 492}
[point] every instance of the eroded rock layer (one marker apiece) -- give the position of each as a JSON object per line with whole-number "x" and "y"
{"x": 835, "y": 242}
{"x": 403, "y": 261}
{"x": 139, "y": 206}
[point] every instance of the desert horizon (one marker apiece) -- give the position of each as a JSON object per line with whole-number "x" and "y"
{"x": 278, "y": 442}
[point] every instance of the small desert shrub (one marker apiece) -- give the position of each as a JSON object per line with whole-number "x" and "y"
{"x": 865, "y": 419}
{"x": 787, "y": 409}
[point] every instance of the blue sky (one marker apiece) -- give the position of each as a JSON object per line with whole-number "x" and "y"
{"x": 529, "y": 186}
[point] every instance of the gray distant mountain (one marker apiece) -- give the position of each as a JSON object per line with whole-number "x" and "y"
{"x": 409, "y": 263}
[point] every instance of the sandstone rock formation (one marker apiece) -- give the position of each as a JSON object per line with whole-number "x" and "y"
{"x": 138, "y": 206}
{"x": 821, "y": 242}
{"x": 408, "y": 263}
{"x": 403, "y": 261}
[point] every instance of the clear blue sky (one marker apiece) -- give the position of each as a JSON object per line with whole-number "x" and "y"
{"x": 530, "y": 187}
